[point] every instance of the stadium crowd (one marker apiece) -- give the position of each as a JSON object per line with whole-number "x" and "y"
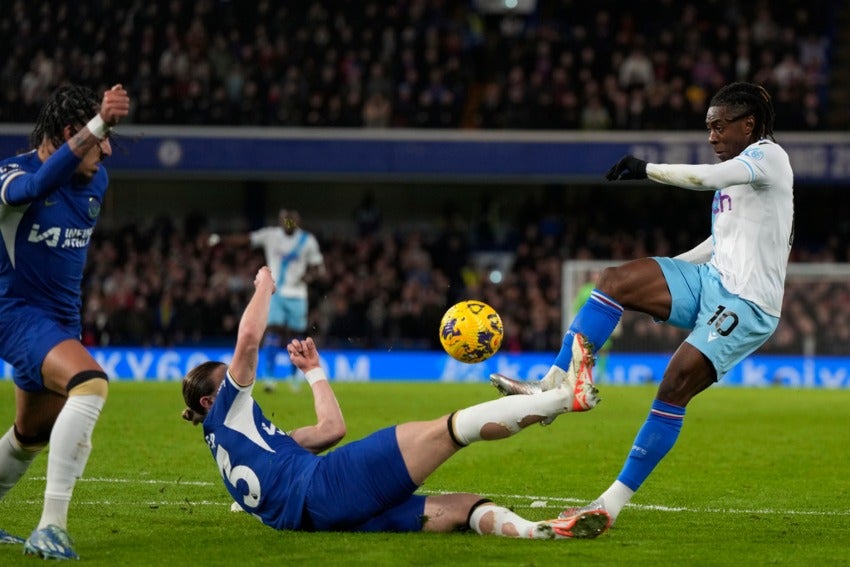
{"x": 412, "y": 63}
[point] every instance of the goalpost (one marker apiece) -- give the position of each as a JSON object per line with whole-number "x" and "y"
{"x": 815, "y": 312}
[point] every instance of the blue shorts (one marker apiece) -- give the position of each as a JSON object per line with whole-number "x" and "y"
{"x": 290, "y": 312}
{"x": 27, "y": 334}
{"x": 724, "y": 327}
{"x": 384, "y": 499}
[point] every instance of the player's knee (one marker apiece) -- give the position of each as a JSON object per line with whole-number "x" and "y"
{"x": 610, "y": 281}
{"x": 89, "y": 383}
{"x": 678, "y": 389}
{"x": 31, "y": 441}
{"x": 452, "y": 512}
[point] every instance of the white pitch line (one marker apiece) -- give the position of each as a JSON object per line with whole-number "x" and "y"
{"x": 150, "y": 504}
{"x": 177, "y": 482}
{"x": 533, "y": 501}
{"x": 543, "y": 502}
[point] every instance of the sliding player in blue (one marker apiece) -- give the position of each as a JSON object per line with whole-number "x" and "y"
{"x": 727, "y": 290}
{"x": 367, "y": 485}
{"x": 50, "y": 200}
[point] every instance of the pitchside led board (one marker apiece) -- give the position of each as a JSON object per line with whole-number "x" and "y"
{"x": 410, "y": 155}
{"x": 170, "y": 364}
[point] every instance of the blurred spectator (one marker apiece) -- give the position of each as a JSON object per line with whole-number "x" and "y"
{"x": 413, "y": 64}
{"x": 377, "y": 111}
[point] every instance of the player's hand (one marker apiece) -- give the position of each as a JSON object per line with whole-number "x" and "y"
{"x": 263, "y": 280}
{"x": 115, "y": 105}
{"x": 303, "y": 354}
{"x": 629, "y": 167}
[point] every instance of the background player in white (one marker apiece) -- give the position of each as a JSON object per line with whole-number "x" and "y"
{"x": 295, "y": 259}
{"x": 727, "y": 290}
{"x": 50, "y": 200}
{"x": 369, "y": 484}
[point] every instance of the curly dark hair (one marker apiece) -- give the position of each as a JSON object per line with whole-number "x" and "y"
{"x": 749, "y": 98}
{"x": 69, "y": 105}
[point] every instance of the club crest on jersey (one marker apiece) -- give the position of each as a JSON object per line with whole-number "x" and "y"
{"x": 754, "y": 153}
{"x": 94, "y": 208}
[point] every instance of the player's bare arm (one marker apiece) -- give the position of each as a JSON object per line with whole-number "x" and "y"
{"x": 243, "y": 367}
{"x": 313, "y": 273}
{"x": 115, "y": 106}
{"x": 236, "y": 239}
{"x": 330, "y": 425}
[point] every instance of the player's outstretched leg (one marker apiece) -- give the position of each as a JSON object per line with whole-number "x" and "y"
{"x": 503, "y": 417}
{"x": 491, "y": 519}
{"x": 578, "y": 377}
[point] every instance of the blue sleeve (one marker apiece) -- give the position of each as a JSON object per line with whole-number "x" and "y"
{"x": 56, "y": 170}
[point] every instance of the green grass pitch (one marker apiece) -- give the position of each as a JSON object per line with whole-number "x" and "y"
{"x": 759, "y": 476}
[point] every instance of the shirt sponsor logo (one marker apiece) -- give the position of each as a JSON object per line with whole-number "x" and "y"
{"x": 722, "y": 203}
{"x": 58, "y": 237}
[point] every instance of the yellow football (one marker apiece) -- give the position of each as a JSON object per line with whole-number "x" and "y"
{"x": 471, "y": 331}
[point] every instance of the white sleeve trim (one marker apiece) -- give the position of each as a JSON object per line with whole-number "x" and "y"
{"x": 6, "y": 185}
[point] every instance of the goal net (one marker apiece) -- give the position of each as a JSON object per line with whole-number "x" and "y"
{"x": 815, "y": 312}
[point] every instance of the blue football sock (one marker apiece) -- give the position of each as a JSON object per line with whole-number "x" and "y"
{"x": 271, "y": 346}
{"x": 596, "y": 320}
{"x": 653, "y": 442}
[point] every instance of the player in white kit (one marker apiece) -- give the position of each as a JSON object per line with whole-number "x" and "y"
{"x": 727, "y": 290}
{"x": 295, "y": 259}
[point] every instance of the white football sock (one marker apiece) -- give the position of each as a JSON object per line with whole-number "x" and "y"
{"x": 14, "y": 460}
{"x": 489, "y": 519}
{"x": 615, "y": 498}
{"x": 553, "y": 377}
{"x": 70, "y": 446}
{"x": 509, "y": 412}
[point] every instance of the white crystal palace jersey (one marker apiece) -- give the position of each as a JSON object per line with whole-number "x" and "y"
{"x": 752, "y": 218}
{"x": 288, "y": 255}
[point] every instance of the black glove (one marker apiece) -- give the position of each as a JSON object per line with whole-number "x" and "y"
{"x": 629, "y": 167}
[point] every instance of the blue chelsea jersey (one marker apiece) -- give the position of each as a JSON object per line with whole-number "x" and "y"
{"x": 46, "y": 238}
{"x": 263, "y": 468}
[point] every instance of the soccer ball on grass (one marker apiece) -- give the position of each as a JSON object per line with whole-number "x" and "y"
{"x": 471, "y": 331}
